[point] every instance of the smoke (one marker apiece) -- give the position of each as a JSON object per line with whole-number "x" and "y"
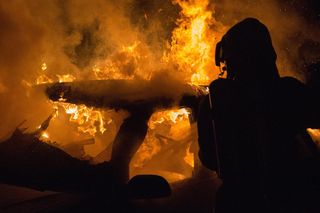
{"x": 23, "y": 45}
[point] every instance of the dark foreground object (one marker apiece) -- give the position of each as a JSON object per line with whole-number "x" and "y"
{"x": 190, "y": 195}
{"x": 148, "y": 186}
{"x": 27, "y": 161}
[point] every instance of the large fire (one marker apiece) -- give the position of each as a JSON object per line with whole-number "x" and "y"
{"x": 73, "y": 41}
{"x": 191, "y": 53}
{"x": 171, "y": 133}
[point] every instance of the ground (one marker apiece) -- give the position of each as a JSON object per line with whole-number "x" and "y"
{"x": 190, "y": 195}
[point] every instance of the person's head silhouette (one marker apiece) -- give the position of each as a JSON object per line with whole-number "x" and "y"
{"x": 247, "y": 52}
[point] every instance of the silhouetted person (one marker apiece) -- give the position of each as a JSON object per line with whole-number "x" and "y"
{"x": 248, "y": 124}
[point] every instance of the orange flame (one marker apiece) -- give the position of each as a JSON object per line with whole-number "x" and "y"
{"x": 66, "y": 78}
{"x": 192, "y": 41}
{"x": 88, "y": 119}
{"x": 190, "y": 50}
{"x": 315, "y": 135}
{"x": 125, "y": 64}
{"x": 173, "y": 125}
{"x": 44, "y": 136}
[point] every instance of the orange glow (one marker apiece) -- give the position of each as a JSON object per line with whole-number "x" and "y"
{"x": 44, "y": 66}
{"x": 127, "y": 64}
{"x": 165, "y": 128}
{"x": 190, "y": 52}
{"x": 66, "y": 78}
{"x": 43, "y": 79}
{"x": 193, "y": 41}
{"x": 315, "y": 135}
{"x": 88, "y": 120}
{"x": 172, "y": 116}
{"x": 44, "y": 136}
{"x": 189, "y": 158}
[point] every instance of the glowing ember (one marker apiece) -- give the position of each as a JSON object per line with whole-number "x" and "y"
{"x": 44, "y": 66}
{"x": 44, "y": 136}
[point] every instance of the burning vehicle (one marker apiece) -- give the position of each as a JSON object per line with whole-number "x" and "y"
{"x": 115, "y": 90}
{"x": 123, "y": 111}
